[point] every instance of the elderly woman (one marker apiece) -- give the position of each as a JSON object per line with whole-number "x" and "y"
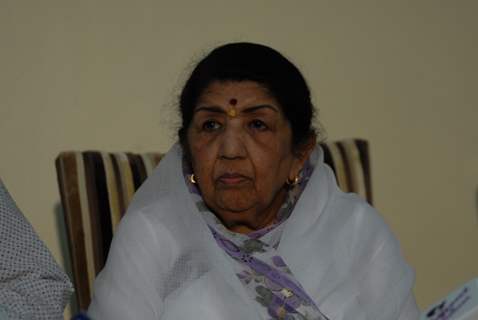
{"x": 243, "y": 220}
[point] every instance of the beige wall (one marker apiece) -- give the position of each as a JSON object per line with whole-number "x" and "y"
{"x": 403, "y": 74}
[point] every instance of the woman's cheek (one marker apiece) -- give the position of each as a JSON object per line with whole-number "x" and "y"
{"x": 266, "y": 141}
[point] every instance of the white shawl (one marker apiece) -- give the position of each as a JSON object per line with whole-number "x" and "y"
{"x": 164, "y": 263}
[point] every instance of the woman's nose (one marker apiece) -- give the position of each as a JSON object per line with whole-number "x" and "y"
{"x": 232, "y": 143}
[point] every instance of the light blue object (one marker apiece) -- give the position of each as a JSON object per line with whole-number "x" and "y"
{"x": 461, "y": 304}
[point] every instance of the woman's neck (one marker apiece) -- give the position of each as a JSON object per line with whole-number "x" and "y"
{"x": 253, "y": 220}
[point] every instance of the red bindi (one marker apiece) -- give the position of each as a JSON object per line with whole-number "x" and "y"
{"x": 233, "y": 102}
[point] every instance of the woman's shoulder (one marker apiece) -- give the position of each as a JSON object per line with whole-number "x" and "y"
{"x": 145, "y": 220}
{"x": 355, "y": 208}
{"x": 366, "y": 226}
{"x": 160, "y": 224}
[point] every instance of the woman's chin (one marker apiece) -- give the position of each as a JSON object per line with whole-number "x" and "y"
{"x": 234, "y": 199}
{"x": 235, "y": 206}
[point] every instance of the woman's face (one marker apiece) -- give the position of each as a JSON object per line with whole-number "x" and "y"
{"x": 241, "y": 153}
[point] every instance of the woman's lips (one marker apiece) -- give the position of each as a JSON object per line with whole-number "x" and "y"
{"x": 231, "y": 179}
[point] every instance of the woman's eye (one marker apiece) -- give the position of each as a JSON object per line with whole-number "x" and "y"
{"x": 211, "y": 125}
{"x": 258, "y": 125}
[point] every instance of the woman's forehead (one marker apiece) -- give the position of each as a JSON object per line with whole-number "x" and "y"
{"x": 235, "y": 93}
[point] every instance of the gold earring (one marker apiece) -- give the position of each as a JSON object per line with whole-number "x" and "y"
{"x": 292, "y": 182}
{"x": 192, "y": 178}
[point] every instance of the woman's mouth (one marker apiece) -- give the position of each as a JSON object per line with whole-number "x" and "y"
{"x": 232, "y": 179}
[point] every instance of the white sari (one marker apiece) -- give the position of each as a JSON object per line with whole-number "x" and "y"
{"x": 165, "y": 264}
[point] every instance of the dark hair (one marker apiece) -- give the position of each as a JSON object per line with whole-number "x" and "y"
{"x": 249, "y": 61}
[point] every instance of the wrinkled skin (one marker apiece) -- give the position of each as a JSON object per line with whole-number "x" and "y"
{"x": 241, "y": 152}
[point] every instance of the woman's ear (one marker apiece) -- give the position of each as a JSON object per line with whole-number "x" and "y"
{"x": 306, "y": 148}
{"x": 302, "y": 153}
